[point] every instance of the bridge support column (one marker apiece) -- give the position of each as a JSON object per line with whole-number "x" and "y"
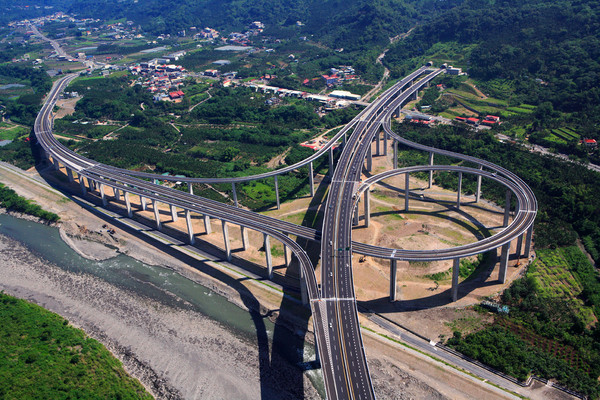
{"x": 528, "y": 242}
{"x": 235, "y": 200}
{"x": 70, "y": 174}
{"x": 311, "y": 179}
{"x": 331, "y": 161}
{"x": 406, "y": 187}
{"x": 103, "y": 195}
{"x": 304, "y": 291}
{"x": 91, "y": 185}
{"x": 117, "y": 193}
{"x": 393, "y": 280}
{"x": 385, "y": 143}
{"x": 156, "y": 214}
{"x": 367, "y": 209}
{"x": 370, "y": 158}
{"x": 82, "y": 185}
{"x": 173, "y": 213}
{"x": 56, "y": 163}
{"x": 143, "y": 202}
{"x": 455, "y": 272}
{"x": 503, "y": 262}
{"x": 430, "y": 171}
{"x": 226, "y": 240}
{"x": 190, "y": 228}
{"x": 245, "y": 242}
{"x": 207, "y": 226}
{"x": 277, "y": 192}
{"x": 356, "y": 216}
{"x": 269, "y": 259}
{"x": 519, "y": 247}
{"x": 377, "y": 144}
{"x": 478, "y": 192}
{"x": 128, "y": 204}
{"x": 287, "y": 253}
{"x": 395, "y": 155}
{"x": 459, "y": 190}
{"x": 507, "y": 208}
{"x": 190, "y": 188}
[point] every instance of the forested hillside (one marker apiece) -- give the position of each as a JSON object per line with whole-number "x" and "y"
{"x": 350, "y": 24}
{"x": 549, "y": 51}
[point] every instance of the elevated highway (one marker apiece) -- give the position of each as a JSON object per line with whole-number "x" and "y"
{"x": 336, "y": 325}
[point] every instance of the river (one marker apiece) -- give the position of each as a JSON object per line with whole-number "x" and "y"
{"x": 162, "y": 285}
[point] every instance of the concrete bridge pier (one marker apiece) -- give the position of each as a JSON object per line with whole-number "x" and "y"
{"x": 460, "y": 174}
{"x": 304, "y": 292}
{"x": 370, "y": 158}
{"x": 226, "y": 240}
{"x": 277, "y": 192}
{"x": 91, "y": 185}
{"x": 56, "y": 163}
{"x": 356, "y": 216}
{"x": 377, "y": 144}
{"x": 385, "y": 143}
{"x": 173, "y": 213}
{"x": 128, "y": 204}
{"x": 478, "y": 192}
{"x": 207, "y": 226}
{"x": 244, "y": 234}
{"x": 70, "y": 174}
{"x": 156, "y": 214}
{"x": 331, "y": 161}
{"x": 519, "y": 247}
{"x": 393, "y": 280}
{"x": 269, "y": 259}
{"x": 528, "y": 242}
{"x": 406, "y": 190}
{"x": 190, "y": 188}
{"x": 430, "y": 171}
{"x": 82, "y": 185}
{"x": 455, "y": 274}
{"x": 103, "y": 196}
{"x": 287, "y": 253}
{"x": 311, "y": 179}
{"x": 117, "y": 193}
{"x": 367, "y": 209}
{"x": 503, "y": 262}
{"x": 395, "y": 154}
{"x": 190, "y": 228}
{"x": 235, "y": 200}
{"x": 507, "y": 208}
{"x": 143, "y": 202}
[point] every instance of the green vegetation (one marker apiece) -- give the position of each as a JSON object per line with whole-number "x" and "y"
{"x": 551, "y": 329}
{"x": 466, "y": 269}
{"x": 10, "y": 200}
{"x": 23, "y": 109}
{"x": 553, "y": 278}
{"x": 18, "y": 153}
{"x": 42, "y": 357}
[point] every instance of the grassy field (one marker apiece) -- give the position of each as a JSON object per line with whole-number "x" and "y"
{"x": 42, "y": 357}
{"x": 552, "y": 273}
{"x": 13, "y": 132}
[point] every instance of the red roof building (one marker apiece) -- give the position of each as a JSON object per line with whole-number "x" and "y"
{"x": 176, "y": 95}
{"x": 590, "y": 142}
{"x": 472, "y": 120}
